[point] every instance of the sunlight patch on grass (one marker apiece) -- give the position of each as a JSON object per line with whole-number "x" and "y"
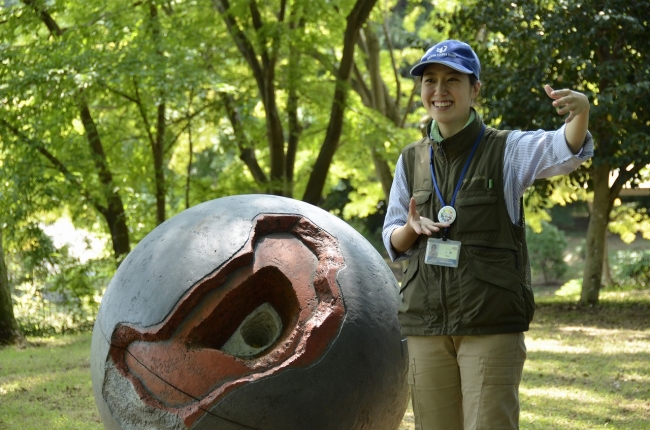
{"x": 48, "y": 385}
{"x": 22, "y": 383}
{"x": 52, "y": 341}
{"x": 538, "y": 421}
{"x": 554, "y": 345}
{"x": 573, "y": 394}
{"x": 627, "y": 346}
{"x": 611, "y": 341}
{"x": 571, "y": 288}
{"x": 9, "y": 387}
{"x": 636, "y": 296}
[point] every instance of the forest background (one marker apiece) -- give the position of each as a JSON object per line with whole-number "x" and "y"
{"x": 118, "y": 115}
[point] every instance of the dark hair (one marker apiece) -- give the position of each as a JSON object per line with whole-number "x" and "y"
{"x": 472, "y": 83}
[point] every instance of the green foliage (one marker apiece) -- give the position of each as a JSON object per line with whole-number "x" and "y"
{"x": 629, "y": 219}
{"x": 595, "y": 47}
{"x": 53, "y": 291}
{"x": 546, "y": 252}
{"x": 632, "y": 269}
{"x": 90, "y": 83}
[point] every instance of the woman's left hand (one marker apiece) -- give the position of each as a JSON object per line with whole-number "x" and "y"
{"x": 568, "y": 101}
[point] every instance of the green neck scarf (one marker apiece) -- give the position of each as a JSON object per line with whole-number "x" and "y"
{"x": 434, "y": 132}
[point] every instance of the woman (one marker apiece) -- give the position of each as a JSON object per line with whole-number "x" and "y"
{"x": 456, "y": 212}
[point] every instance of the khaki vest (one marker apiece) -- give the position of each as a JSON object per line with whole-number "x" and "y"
{"x": 489, "y": 292}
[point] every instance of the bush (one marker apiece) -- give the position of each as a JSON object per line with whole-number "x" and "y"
{"x": 546, "y": 252}
{"x": 632, "y": 268}
{"x": 52, "y": 290}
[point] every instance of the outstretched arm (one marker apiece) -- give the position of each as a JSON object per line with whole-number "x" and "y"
{"x": 577, "y": 106}
{"x": 404, "y": 237}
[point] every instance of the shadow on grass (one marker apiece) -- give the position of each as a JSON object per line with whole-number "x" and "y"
{"x": 629, "y": 315}
{"x": 588, "y": 368}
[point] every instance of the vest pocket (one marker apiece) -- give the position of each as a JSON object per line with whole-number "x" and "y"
{"x": 421, "y": 198}
{"x": 410, "y": 272}
{"x": 414, "y": 290}
{"x": 477, "y": 210}
{"x": 492, "y": 293}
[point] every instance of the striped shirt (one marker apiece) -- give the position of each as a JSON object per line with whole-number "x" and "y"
{"x": 528, "y": 156}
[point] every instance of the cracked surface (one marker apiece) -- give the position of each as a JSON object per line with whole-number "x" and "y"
{"x": 178, "y": 367}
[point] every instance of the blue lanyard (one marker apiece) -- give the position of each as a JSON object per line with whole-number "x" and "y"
{"x": 462, "y": 174}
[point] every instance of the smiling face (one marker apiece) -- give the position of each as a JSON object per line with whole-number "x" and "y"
{"x": 447, "y": 96}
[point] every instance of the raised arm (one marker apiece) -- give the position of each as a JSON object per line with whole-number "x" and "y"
{"x": 577, "y": 106}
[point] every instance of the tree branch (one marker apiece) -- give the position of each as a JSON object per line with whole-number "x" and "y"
{"x": 360, "y": 87}
{"x": 54, "y": 161}
{"x": 265, "y": 78}
{"x": 243, "y": 44}
{"x": 45, "y": 17}
{"x": 389, "y": 43}
{"x": 190, "y": 149}
{"x": 373, "y": 63}
{"x": 118, "y": 92}
{"x": 195, "y": 113}
{"x": 623, "y": 178}
{"x": 246, "y": 152}
{"x": 267, "y": 61}
{"x": 407, "y": 109}
{"x": 355, "y": 20}
{"x": 143, "y": 113}
{"x": 114, "y": 211}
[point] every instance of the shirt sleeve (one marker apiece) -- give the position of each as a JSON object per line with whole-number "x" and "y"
{"x": 397, "y": 211}
{"x": 538, "y": 154}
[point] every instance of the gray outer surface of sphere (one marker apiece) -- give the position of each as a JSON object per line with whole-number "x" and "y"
{"x": 360, "y": 380}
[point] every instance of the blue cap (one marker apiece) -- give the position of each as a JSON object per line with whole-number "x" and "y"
{"x": 457, "y": 55}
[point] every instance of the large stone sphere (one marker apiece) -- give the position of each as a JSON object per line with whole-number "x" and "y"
{"x": 250, "y": 312}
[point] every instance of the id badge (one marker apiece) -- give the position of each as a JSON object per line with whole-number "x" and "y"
{"x": 442, "y": 252}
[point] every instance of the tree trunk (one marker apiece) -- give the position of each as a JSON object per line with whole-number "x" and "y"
{"x": 158, "y": 144}
{"x": 264, "y": 74}
{"x": 10, "y": 333}
{"x": 275, "y": 136}
{"x": 246, "y": 150}
{"x": 378, "y": 99}
{"x": 295, "y": 128}
{"x": 114, "y": 212}
{"x": 158, "y": 149}
{"x": 607, "y": 280}
{"x": 382, "y": 170}
{"x": 355, "y": 21}
{"x": 596, "y": 234}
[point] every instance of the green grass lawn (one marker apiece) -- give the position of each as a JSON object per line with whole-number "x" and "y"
{"x": 48, "y": 386}
{"x": 587, "y": 369}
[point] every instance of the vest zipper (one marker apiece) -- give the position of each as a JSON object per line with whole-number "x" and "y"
{"x": 441, "y": 151}
{"x": 443, "y": 300}
{"x": 445, "y": 234}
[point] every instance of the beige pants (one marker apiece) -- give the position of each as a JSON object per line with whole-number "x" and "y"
{"x": 466, "y": 382}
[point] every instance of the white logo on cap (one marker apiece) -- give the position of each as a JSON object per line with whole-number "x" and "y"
{"x": 441, "y": 50}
